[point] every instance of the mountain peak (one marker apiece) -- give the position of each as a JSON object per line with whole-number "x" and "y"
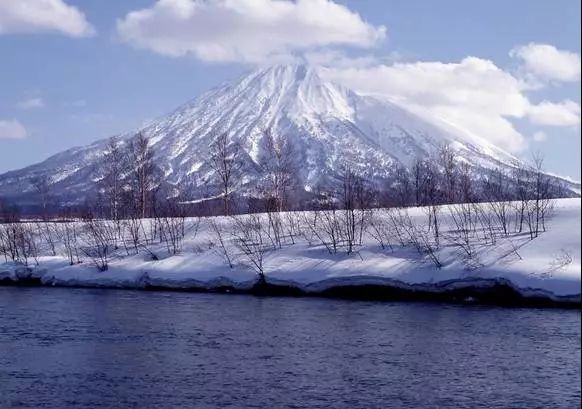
{"x": 327, "y": 126}
{"x": 281, "y": 77}
{"x": 299, "y": 71}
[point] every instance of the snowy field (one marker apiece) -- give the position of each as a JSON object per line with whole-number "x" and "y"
{"x": 295, "y": 253}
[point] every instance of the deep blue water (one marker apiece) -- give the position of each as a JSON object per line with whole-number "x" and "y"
{"x": 83, "y": 348}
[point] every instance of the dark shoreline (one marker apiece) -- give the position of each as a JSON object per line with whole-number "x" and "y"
{"x": 500, "y": 294}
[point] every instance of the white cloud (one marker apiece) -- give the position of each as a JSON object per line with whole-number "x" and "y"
{"x": 12, "y": 129}
{"x": 539, "y": 136}
{"x": 565, "y": 113}
{"x": 31, "y": 103}
{"x": 546, "y": 62}
{"x": 33, "y": 16}
{"x": 473, "y": 94}
{"x": 245, "y": 30}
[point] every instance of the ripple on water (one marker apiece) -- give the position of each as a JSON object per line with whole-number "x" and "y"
{"x": 87, "y": 348}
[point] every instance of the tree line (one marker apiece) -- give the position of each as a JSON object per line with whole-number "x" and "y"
{"x": 136, "y": 212}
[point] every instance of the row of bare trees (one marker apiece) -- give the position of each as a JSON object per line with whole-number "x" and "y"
{"x": 135, "y": 212}
{"x": 95, "y": 239}
{"x": 131, "y": 185}
{"x": 130, "y": 178}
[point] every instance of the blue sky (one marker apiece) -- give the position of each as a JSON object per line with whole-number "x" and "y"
{"x": 95, "y": 72}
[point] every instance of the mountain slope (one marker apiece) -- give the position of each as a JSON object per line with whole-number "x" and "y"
{"x": 327, "y": 127}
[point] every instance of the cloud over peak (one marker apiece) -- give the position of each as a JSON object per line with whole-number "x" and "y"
{"x": 247, "y": 31}
{"x": 473, "y": 94}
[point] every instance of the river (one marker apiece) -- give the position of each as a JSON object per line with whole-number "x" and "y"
{"x": 90, "y": 348}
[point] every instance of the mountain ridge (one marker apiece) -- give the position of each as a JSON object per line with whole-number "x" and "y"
{"x": 327, "y": 125}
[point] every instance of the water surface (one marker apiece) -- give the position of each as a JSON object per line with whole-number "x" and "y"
{"x": 88, "y": 348}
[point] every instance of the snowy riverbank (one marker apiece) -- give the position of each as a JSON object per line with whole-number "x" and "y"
{"x": 513, "y": 268}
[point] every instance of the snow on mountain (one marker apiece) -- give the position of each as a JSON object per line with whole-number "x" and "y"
{"x": 326, "y": 125}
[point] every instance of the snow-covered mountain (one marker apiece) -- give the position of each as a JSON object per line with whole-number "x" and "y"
{"x": 326, "y": 125}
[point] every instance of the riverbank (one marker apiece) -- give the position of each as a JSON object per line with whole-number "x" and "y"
{"x": 497, "y": 291}
{"x": 512, "y": 270}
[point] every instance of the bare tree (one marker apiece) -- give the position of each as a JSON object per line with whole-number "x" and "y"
{"x": 141, "y": 163}
{"x": 292, "y": 225}
{"x": 427, "y": 191}
{"x": 420, "y": 175}
{"x": 350, "y": 185}
{"x": 98, "y": 242}
{"x": 496, "y": 193}
{"x": 487, "y": 218}
{"x": 403, "y": 186}
{"x": 466, "y": 197}
{"x": 521, "y": 184}
{"x": 397, "y": 218}
{"x": 542, "y": 202}
{"x": 432, "y": 198}
{"x": 133, "y": 233}
{"x": 462, "y": 233}
{"x": 69, "y": 236}
{"x": 115, "y": 165}
{"x": 224, "y": 162}
{"x": 217, "y": 229}
{"x": 466, "y": 191}
{"x": 323, "y": 223}
{"x": 250, "y": 239}
{"x": 279, "y": 168}
{"x": 46, "y": 231}
{"x": 18, "y": 242}
{"x": 365, "y": 200}
{"x": 172, "y": 226}
{"x": 418, "y": 237}
{"x": 381, "y": 229}
{"x": 447, "y": 162}
{"x": 274, "y": 227}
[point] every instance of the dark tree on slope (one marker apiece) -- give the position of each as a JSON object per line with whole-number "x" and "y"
{"x": 403, "y": 187}
{"x": 465, "y": 189}
{"x": 9, "y": 213}
{"x": 420, "y": 180}
{"x": 41, "y": 185}
{"x": 224, "y": 162}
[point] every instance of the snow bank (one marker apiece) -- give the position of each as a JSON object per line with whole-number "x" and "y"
{"x": 549, "y": 266}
